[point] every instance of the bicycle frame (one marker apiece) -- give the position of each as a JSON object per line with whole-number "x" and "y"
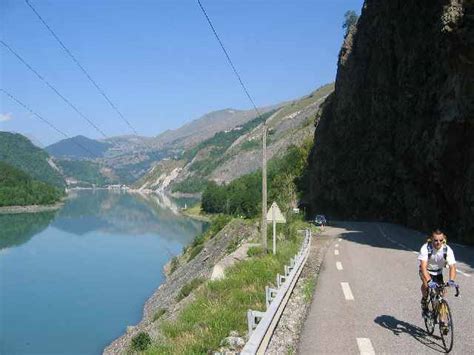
{"x": 440, "y": 314}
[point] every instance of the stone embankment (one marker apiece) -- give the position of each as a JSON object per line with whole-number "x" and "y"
{"x": 165, "y": 304}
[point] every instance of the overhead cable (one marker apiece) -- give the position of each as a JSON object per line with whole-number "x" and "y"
{"x": 228, "y": 58}
{"x": 67, "y": 101}
{"x": 13, "y": 98}
{"x": 69, "y": 53}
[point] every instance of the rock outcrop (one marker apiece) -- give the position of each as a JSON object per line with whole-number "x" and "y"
{"x": 395, "y": 141}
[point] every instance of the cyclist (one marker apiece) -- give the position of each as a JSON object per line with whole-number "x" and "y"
{"x": 434, "y": 256}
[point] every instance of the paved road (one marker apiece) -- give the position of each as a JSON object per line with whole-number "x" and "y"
{"x": 367, "y": 299}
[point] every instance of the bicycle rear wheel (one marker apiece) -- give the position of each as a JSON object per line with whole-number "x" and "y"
{"x": 447, "y": 334}
{"x": 430, "y": 318}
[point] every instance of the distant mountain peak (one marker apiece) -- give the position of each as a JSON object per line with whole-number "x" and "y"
{"x": 78, "y": 147}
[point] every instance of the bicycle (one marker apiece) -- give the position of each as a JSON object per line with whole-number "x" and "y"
{"x": 439, "y": 313}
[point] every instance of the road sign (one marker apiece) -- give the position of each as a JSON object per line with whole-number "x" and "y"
{"x": 274, "y": 214}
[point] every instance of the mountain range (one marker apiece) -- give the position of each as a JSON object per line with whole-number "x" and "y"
{"x": 219, "y": 146}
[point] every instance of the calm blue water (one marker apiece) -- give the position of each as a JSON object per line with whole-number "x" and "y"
{"x": 71, "y": 281}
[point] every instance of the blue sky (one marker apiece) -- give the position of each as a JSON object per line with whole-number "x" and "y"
{"x": 159, "y": 62}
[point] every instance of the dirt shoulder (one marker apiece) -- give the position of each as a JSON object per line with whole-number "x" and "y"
{"x": 286, "y": 336}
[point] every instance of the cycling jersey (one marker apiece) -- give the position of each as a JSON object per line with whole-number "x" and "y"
{"x": 437, "y": 261}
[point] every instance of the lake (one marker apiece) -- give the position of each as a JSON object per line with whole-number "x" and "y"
{"x": 71, "y": 281}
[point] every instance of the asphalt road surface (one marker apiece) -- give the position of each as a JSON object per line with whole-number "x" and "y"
{"x": 367, "y": 299}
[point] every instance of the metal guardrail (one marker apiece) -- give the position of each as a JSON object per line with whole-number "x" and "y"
{"x": 262, "y": 324}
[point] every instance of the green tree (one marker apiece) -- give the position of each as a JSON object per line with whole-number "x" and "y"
{"x": 350, "y": 19}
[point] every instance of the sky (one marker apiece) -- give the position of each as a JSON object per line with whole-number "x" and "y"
{"x": 158, "y": 60}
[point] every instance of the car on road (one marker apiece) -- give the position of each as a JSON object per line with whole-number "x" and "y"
{"x": 320, "y": 220}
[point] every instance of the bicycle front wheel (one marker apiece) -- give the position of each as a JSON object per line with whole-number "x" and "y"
{"x": 446, "y": 326}
{"x": 429, "y": 318}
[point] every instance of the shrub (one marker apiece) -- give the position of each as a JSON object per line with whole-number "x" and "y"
{"x": 141, "y": 341}
{"x": 218, "y": 223}
{"x": 199, "y": 239}
{"x": 174, "y": 264}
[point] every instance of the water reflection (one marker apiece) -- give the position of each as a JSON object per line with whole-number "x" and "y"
{"x": 125, "y": 213}
{"x": 17, "y": 229}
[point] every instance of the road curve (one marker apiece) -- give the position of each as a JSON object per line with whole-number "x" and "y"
{"x": 367, "y": 300}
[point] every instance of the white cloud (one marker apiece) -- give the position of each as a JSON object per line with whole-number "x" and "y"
{"x": 5, "y": 117}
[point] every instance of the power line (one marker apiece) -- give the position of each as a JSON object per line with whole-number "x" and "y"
{"x": 228, "y": 58}
{"x": 53, "y": 88}
{"x": 13, "y": 98}
{"x": 101, "y": 91}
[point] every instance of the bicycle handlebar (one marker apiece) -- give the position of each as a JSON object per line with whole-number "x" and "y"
{"x": 456, "y": 286}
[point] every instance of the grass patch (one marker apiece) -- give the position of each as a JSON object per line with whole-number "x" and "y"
{"x": 221, "y": 306}
{"x": 233, "y": 245}
{"x": 195, "y": 251}
{"x": 308, "y": 289}
{"x": 158, "y": 314}
{"x": 255, "y": 252}
{"x": 189, "y": 287}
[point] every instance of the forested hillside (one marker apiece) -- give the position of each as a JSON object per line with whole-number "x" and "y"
{"x": 83, "y": 173}
{"x": 243, "y": 196}
{"x": 19, "y": 152}
{"x": 19, "y": 189}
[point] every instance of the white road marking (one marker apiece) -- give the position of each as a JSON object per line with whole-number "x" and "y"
{"x": 381, "y": 231}
{"x": 365, "y": 346}
{"x": 463, "y": 273}
{"x": 336, "y": 252}
{"x": 339, "y": 239}
{"x": 401, "y": 245}
{"x": 339, "y": 265}
{"x": 347, "y": 291}
{"x": 414, "y": 252}
{"x": 337, "y": 245}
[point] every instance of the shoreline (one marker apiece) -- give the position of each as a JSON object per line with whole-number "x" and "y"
{"x": 195, "y": 216}
{"x": 30, "y": 208}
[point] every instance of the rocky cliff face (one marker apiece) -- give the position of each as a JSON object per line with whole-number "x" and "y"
{"x": 396, "y": 139}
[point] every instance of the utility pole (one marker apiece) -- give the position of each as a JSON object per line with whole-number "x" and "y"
{"x": 264, "y": 188}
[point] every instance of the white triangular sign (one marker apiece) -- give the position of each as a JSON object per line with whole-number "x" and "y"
{"x": 274, "y": 213}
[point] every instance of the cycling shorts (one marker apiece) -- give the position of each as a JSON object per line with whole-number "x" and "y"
{"x": 436, "y": 278}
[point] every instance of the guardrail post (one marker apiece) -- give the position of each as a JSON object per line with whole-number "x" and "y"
{"x": 270, "y": 294}
{"x": 253, "y": 318}
{"x": 280, "y": 280}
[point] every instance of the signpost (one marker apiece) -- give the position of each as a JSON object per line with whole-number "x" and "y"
{"x": 274, "y": 215}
